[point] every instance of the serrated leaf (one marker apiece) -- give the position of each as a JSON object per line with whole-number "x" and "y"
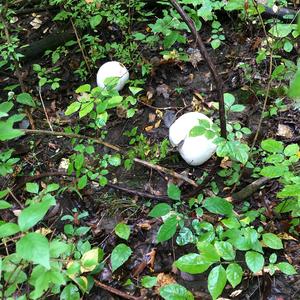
{"x": 234, "y": 274}
{"x": 216, "y": 281}
{"x": 34, "y": 247}
{"x": 119, "y": 256}
{"x": 255, "y": 261}
{"x": 160, "y": 210}
{"x": 218, "y": 205}
{"x": 175, "y": 291}
{"x": 123, "y": 231}
{"x": 272, "y": 241}
{"x": 167, "y": 230}
{"x": 192, "y": 263}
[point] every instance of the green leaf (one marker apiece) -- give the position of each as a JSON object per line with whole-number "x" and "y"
{"x": 5, "y": 107}
{"x": 95, "y": 21}
{"x": 34, "y": 247}
{"x": 34, "y": 213}
{"x": 160, "y": 210}
{"x": 197, "y": 130}
{"x": 115, "y": 160}
{"x": 286, "y": 268}
{"x": 273, "y": 171}
{"x": 281, "y": 30}
{"x": 73, "y": 107}
{"x": 215, "y": 43}
{"x": 229, "y": 99}
{"x": 216, "y": 281}
{"x": 85, "y": 88}
{"x": 288, "y": 46}
{"x": 294, "y": 91}
{"x": 272, "y": 241}
{"x": 82, "y": 182}
{"x": 114, "y": 101}
{"x": 173, "y": 191}
{"x": 135, "y": 90}
{"x": 32, "y": 187}
{"x": 175, "y": 292}
{"x": 123, "y": 231}
{"x": 218, "y": 205}
{"x": 8, "y": 229}
{"x": 119, "y": 256}
{"x": 148, "y": 281}
{"x": 192, "y": 263}
{"x": 167, "y": 230}
{"x": 255, "y": 261}
{"x": 292, "y": 149}
{"x": 25, "y": 98}
{"x": 225, "y": 250}
{"x": 57, "y": 248}
{"x": 90, "y": 260}
{"x": 4, "y": 204}
{"x": 208, "y": 252}
{"x": 234, "y": 274}
{"x": 70, "y": 292}
{"x": 237, "y": 108}
{"x": 292, "y": 190}
{"x": 272, "y": 146}
{"x": 85, "y": 109}
{"x": 7, "y": 132}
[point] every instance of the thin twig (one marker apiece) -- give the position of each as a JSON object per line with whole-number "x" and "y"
{"x": 115, "y": 148}
{"x": 211, "y": 66}
{"x": 45, "y": 111}
{"x": 116, "y": 291}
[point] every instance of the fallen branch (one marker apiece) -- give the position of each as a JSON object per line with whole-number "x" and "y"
{"x": 115, "y": 148}
{"x": 116, "y": 291}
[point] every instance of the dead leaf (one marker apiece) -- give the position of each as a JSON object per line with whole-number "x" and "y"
{"x": 226, "y": 163}
{"x": 164, "y": 279}
{"x": 164, "y": 90}
{"x": 157, "y": 124}
{"x": 151, "y": 256}
{"x": 285, "y": 131}
{"x": 194, "y": 56}
{"x": 148, "y": 128}
{"x": 286, "y": 236}
{"x": 151, "y": 117}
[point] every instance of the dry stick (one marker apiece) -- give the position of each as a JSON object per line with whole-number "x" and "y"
{"x": 115, "y": 148}
{"x": 45, "y": 111}
{"x": 116, "y": 291}
{"x": 211, "y": 66}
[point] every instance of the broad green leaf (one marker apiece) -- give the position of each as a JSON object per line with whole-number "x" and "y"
{"x": 8, "y": 229}
{"x": 25, "y": 98}
{"x": 31, "y": 215}
{"x": 215, "y": 43}
{"x": 95, "y": 21}
{"x": 294, "y": 91}
{"x": 218, "y": 205}
{"x": 73, "y": 107}
{"x": 281, "y": 30}
{"x": 286, "y": 268}
{"x": 229, "y": 99}
{"x": 234, "y": 274}
{"x": 225, "y": 250}
{"x": 167, "y": 230}
{"x": 216, "y": 281}
{"x": 135, "y": 90}
{"x": 5, "y": 107}
{"x": 237, "y": 108}
{"x": 85, "y": 109}
{"x": 123, "y": 231}
{"x": 160, "y": 210}
{"x": 7, "y": 132}
{"x": 273, "y": 171}
{"x": 85, "y": 88}
{"x": 173, "y": 191}
{"x": 70, "y": 292}
{"x": 82, "y": 182}
{"x": 148, "y": 281}
{"x": 175, "y": 291}
{"x": 192, "y": 263}
{"x": 292, "y": 190}
{"x": 34, "y": 247}
{"x": 185, "y": 236}
{"x": 292, "y": 149}
{"x": 89, "y": 260}
{"x": 272, "y": 146}
{"x": 197, "y": 130}
{"x": 115, "y": 160}
{"x": 114, "y": 101}
{"x": 4, "y": 204}
{"x": 119, "y": 256}
{"x": 255, "y": 261}
{"x": 32, "y": 187}
{"x": 208, "y": 252}
{"x": 272, "y": 241}
{"x": 57, "y": 248}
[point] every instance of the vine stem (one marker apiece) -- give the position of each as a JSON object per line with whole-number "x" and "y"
{"x": 218, "y": 81}
{"x": 115, "y": 148}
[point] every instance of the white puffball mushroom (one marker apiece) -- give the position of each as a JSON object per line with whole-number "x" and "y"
{"x": 194, "y": 150}
{"x": 112, "y": 69}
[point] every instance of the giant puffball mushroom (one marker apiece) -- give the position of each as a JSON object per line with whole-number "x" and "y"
{"x": 194, "y": 150}
{"x": 112, "y": 69}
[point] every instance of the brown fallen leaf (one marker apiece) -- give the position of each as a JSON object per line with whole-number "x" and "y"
{"x": 285, "y": 131}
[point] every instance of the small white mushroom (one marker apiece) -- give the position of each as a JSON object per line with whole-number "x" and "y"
{"x": 112, "y": 69}
{"x": 194, "y": 150}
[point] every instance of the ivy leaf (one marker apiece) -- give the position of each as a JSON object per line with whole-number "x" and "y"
{"x": 192, "y": 263}
{"x": 217, "y": 205}
{"x": 173, "y": 191}
{"x": 234, "y": 274}
{"x": 34, "y": 247}
{"x": 123, "y": 231}
{"x": 255, "y": 261}
{"x": 272, "y": 241}
{"x": 286, "y": 268}
{"x": 160, "y": 210}
{"x": 119, "y": 256}
{"x": 216, "y": 281}
{"x": 175, "y": 292}
{"x": 167, "y": 230}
